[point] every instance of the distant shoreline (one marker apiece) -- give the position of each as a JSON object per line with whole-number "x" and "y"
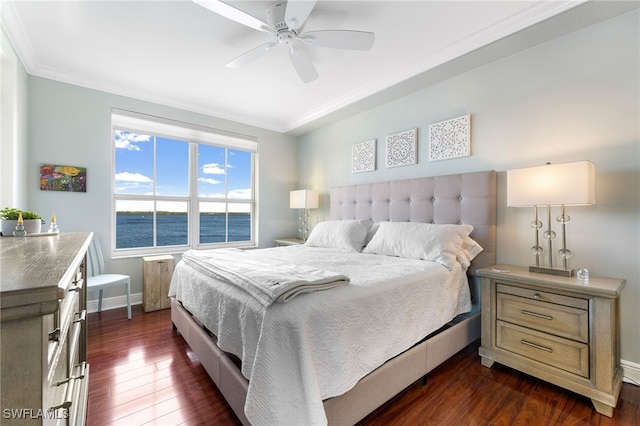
{"x": 179, "y": 213}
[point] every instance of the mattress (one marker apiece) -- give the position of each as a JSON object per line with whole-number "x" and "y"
{"x": 319, "y": 345}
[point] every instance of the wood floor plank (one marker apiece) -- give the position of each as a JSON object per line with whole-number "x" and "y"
{"x": 143, "y": 373}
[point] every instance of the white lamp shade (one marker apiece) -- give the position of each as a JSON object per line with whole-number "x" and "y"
{"x": 303, "y": 199}
{"x": 553, "y": 184}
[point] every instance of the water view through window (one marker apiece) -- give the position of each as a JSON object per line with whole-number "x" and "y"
{"x": 159, "y": 204}
{"x": 135, "y": 229}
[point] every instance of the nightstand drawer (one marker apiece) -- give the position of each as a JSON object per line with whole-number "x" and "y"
{"x": 564, "y": 321}
{"x": 555, "y": 351}
{"x": 543, "y": 296}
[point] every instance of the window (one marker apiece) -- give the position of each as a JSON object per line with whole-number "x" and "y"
{"x": 178, "y": 186}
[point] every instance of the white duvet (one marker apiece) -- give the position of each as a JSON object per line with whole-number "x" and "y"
{"x": 320, "y": 344}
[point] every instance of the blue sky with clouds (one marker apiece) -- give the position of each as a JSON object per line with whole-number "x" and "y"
{"x": 134, "y": 168}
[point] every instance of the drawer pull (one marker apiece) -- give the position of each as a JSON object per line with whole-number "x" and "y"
{"x": 83, "y": 369}
{"x": 536, "y": 296}
{"x": 71, "y": 383}
{"x": 83, "y": 316}
{"x": 533, "y": 345}
{"x": 533, "y": 314}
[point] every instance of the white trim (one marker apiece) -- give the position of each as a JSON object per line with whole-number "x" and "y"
{"x": 9, "y": 115}
{"x": 113, "y": 302}
{"x": 630, "y": 372}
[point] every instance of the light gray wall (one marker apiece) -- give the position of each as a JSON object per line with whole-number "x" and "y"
{"x": 574, "y": 98}
{"x": 71, "y": 125}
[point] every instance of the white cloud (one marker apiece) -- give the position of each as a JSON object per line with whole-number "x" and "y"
{"x": 213, "y": 169}
{"x": 243, "y": 194}
{"x": 126, "y": 140}
{"x": 210, "y": 181}
{"x": 133, "y": 177}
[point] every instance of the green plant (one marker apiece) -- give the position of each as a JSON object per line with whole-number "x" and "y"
{"x": 10, "y": 213}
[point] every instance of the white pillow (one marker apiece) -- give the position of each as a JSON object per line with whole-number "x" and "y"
{"x": 468, "y": 251}
{"x": 346, "y": 234}
{"x": 416, "y": 240}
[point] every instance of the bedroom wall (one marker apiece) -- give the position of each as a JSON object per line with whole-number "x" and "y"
{"x": 71, "y": 125}
{"x": 574, "y": 98}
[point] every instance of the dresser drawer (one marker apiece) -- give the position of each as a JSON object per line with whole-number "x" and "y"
{"x": 58, "y": 324}
{"x": 561, "y": 320}
{"x": 55, "y": 387}
{"x": 555, "y": 351}
{"x": 66, "y": 395}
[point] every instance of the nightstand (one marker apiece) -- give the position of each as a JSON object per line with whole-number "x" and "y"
{"x": 288, "y": 242}
{"x": 558, "y": 329}
{"x": 157, "y": 272}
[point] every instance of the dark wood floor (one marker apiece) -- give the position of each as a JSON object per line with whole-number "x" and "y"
{"x": 142, "y": 372}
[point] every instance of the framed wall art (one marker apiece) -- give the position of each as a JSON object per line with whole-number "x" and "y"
{"x": 450, "y": 139}
{"x": 363, "y": 156}
{"x": 63, "y": 178}
{"x": 402, "y": 148}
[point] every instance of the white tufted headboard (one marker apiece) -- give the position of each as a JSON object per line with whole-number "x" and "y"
{"x": 468, "y": 198}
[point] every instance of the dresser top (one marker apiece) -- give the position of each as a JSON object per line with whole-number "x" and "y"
{"x": 38, "y": 269}
{"x": 597, "y": 286}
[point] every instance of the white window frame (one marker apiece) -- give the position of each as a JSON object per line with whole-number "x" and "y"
{"x": 194, "y": 135}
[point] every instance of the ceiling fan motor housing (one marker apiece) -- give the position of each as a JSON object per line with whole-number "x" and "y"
{"x": 276, "y": 19}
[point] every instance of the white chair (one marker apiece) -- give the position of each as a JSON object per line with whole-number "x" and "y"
{"x": 97, "y": 280}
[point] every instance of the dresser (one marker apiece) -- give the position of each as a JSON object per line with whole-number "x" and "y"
{"x": 559, "y": 329}
{"x": 44, "y": 371}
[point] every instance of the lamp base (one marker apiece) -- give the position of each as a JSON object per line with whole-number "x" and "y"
{"x": 551, "y": 271}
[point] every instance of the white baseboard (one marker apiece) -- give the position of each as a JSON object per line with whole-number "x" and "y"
{"x": 630, "y": 370}
{"x": 113, "y": 302}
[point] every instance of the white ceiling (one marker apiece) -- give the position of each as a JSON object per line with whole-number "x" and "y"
{"x": 174, "y": 52}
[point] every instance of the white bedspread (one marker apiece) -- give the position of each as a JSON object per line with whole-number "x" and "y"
{"x": 321, "y": 344}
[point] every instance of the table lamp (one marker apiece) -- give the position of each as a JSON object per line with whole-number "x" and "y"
{"x": 552, "y": 185}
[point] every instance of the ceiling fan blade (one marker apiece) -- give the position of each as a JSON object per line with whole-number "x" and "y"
{"x": 340, "y": 39}
{"x": 234, "y": 14}
{"x": 251, "y": 55}
{"x": 303, "y": 65}
{"x": 297, "y": 12}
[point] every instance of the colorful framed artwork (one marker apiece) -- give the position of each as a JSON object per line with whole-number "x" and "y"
{"x": 450, "y": 139}
{"x": 363, "y": 156}
{"x": 402, "y": 148}
{"x": 63, "y": 178}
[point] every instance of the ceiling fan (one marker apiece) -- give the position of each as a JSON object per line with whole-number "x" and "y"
{"x": 284, "y": 22}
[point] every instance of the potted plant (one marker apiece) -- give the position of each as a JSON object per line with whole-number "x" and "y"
{"x": 9, "y": 217}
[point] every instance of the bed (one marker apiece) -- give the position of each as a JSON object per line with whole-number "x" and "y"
{"x": 322, "y": 375}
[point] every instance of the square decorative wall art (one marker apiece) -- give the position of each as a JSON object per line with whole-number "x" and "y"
{"x": 450, "y": 139}
{"x": 402, "y": 148}
{"x": 63, "y": 178}
{"x": 363, "y": 156}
